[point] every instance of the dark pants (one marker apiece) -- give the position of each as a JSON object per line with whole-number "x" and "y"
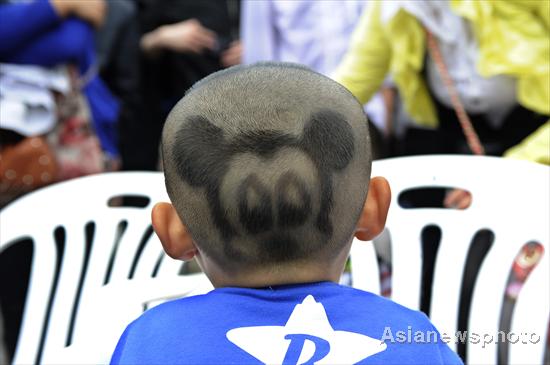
{"x": 449, "y": 137}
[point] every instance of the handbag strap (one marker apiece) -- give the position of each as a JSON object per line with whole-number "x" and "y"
{"x": 469, "y": 132}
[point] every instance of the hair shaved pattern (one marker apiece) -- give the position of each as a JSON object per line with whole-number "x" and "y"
{"x": 260, "y": 163}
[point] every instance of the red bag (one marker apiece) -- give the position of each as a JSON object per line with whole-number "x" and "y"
{"x": 26, "y": 166}
{"x": 75, "y": 144}
{"x": 72, "y": 149}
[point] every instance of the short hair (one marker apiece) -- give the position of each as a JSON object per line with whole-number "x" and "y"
{"x": 267, "y": 163}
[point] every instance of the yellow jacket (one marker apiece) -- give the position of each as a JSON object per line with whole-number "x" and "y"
{"x": 535, "y": 147}
{"x": 513, "y": 38}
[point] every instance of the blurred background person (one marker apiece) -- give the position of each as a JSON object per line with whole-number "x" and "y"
{"x": 497, "y": 56}
{"x": 313, "y": 33}
{"x": 181, "y": 42}
{"x": 41, "y": 42}
{"x": 118, "y": 52}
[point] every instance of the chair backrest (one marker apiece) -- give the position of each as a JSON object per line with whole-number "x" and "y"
{"x": 511, "y": 200}
{"x": 96, "y": 264}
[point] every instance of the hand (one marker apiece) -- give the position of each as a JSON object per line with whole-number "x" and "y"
{"x": 92, "y": 11}
{"x": 458, "y": 199}
{"x": 232, "y": 55}
{"x": 186, "y": 36}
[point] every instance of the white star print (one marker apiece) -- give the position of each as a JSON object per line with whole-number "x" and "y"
{"x": 309, "y": 320}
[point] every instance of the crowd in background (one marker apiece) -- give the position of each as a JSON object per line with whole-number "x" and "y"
{"x": 133, "y": 60}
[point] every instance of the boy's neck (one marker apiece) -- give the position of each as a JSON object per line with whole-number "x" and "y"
{"x": 278, "y": 274}
{"x": 264, "y": 277}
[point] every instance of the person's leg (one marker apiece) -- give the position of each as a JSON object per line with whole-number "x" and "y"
{"x": 3, "y": 352}
{"x": 140, "y": 138}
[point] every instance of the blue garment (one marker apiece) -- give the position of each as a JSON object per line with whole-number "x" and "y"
{"x": 285, "y": 325}
{"x": 33, "y": 34}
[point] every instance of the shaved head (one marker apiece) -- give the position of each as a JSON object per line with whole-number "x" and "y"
{"x": 267, "y": 163}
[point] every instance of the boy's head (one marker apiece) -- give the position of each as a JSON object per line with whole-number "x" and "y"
{"x": 265, "y": 165}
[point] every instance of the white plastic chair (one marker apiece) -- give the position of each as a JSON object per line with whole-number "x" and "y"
{"x": 79, "y": 302}
{"x": 511, "y": 199}
{"x": 86, "y": 288}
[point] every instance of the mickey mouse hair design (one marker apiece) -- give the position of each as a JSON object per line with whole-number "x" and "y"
{"x": 202, "y": 155}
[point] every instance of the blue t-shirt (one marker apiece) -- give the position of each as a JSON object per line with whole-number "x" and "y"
{"x": 319, "y": 323}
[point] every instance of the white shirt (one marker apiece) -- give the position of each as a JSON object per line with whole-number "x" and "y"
{"x": 310, "y": 32}
{"x": 26, "y": 99}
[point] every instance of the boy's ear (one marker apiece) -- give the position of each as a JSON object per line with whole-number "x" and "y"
{"x": 373, "y": 217}
{"x": 173, "y": 234}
